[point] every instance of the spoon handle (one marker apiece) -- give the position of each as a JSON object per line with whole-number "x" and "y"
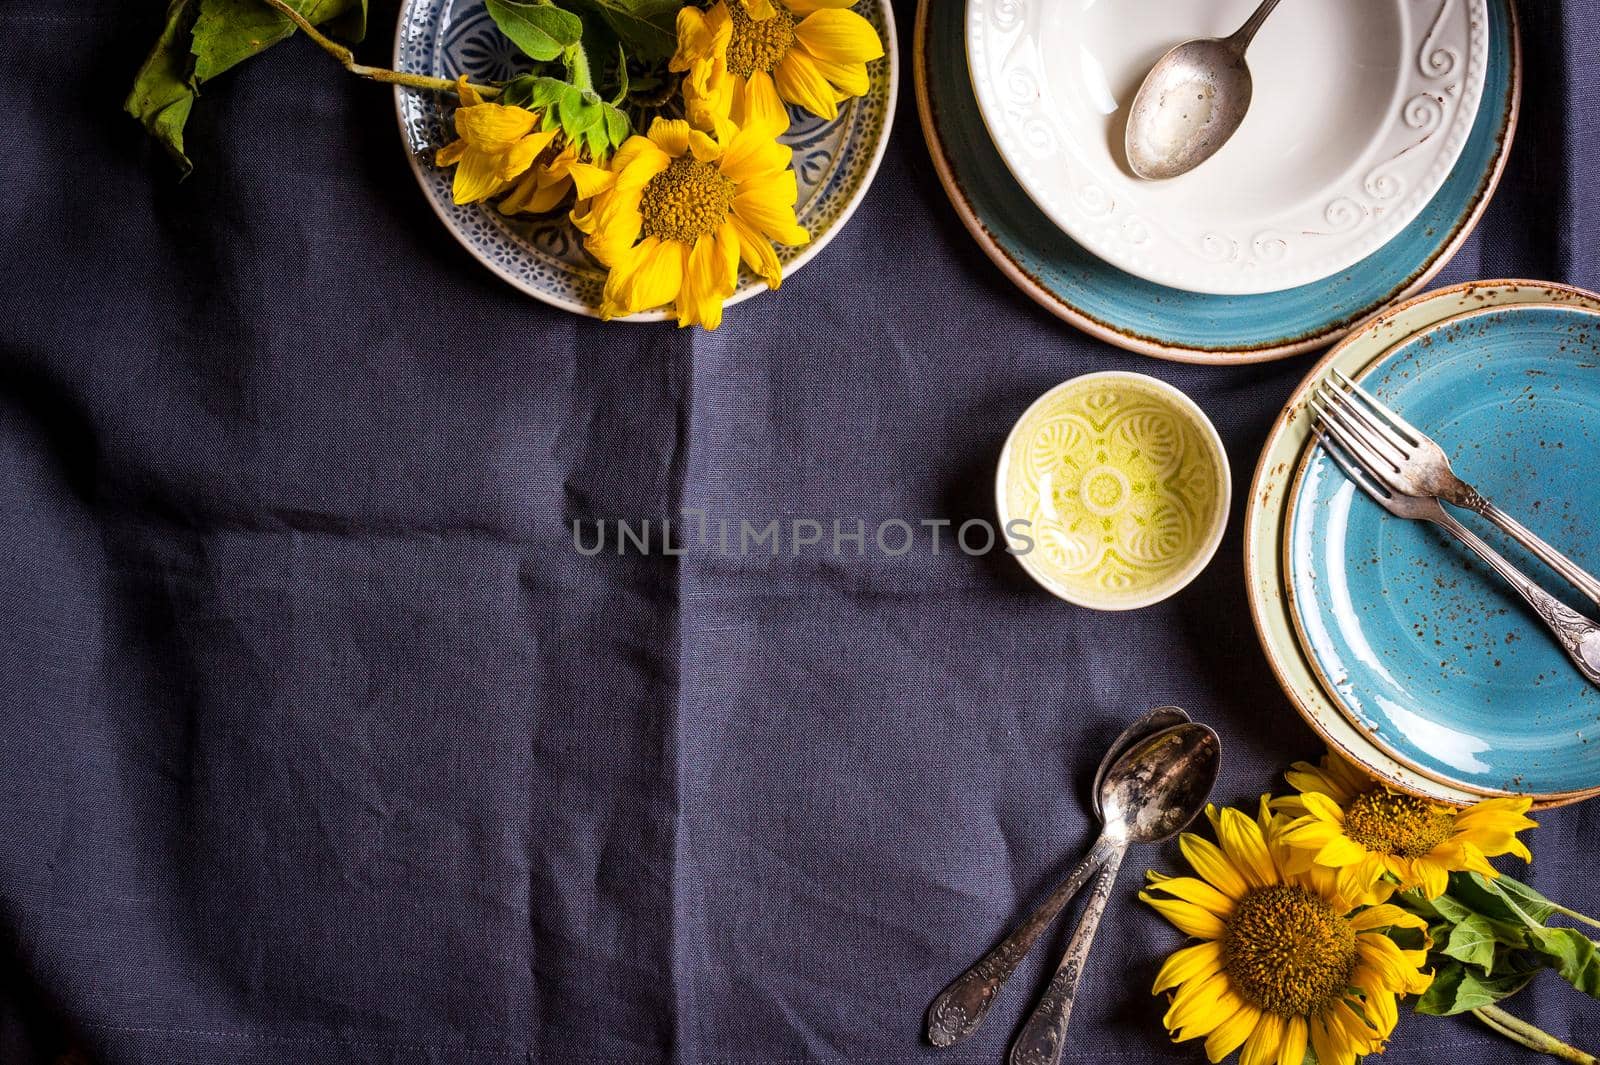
{"x": 1043, "y": 1037}
{"x": 961, "y": 1007}
{"x": 1245, "y": 34}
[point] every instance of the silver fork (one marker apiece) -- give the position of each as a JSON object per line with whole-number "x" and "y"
{"x": 1342, "y": 439}
{"x": 1413, "y": 464}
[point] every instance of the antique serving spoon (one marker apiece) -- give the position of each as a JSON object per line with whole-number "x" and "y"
{"x": 1191, "y": 102}
{"x": 1149, "y": 794}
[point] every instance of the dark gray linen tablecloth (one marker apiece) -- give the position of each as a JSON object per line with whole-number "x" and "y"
{"x": 320, "y": 743}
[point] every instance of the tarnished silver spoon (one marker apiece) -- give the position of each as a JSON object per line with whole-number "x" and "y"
{"x": 1044, "y": 1035}
{"x": 1191, "y": 102}
{"x": 1149, "y": 794}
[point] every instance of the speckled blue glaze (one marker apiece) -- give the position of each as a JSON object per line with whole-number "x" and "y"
{"x": 1203, "y": 323}
{"x": 1424, "y": 647}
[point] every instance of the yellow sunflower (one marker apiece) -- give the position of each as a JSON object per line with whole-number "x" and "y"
{"x": 1288, "y": 959}
{"x": 1347, "y": 821}
{"x": 684, "y": 208}
{"x": 545, "y": 185}
{"x": 813, "y": 53}
{"x": 497, "y": 144}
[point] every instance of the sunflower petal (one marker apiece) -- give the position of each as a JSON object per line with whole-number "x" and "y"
{"x": 494, "y": 125}
{"x": 800, "y": 82}
{"x": 1199, "y": 1007}
{"x": 757, "y": 106}
{"x": 1231, "y": 1033}
{"x": 1243, "y": 843}
{"x": 671, "y": 135}
{"x": 1264, "y": 1043}
{"x": 805, "y": 7}
{"x": 477, "y": 177}
{"x": 851, "y": 79}
{"x": 1193, "y": 889}
{"x": 1386, "y": 915}
{"x": 1208, "y": 860}
{"x": 658, "y": 278}
{"x": 839, "y": 36}
{"x": 773, "y": 219}
{"x": 1188, "y": 918}
{"x": 1191, "y": 963}
{"x": 756, "y": 251}
{"x": 752, "y": 153}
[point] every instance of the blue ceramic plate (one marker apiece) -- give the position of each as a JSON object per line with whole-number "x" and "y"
{"x": 1171, "y": 323}
{"x": 1424, "y": 648}
{"x": 834, "y": 162}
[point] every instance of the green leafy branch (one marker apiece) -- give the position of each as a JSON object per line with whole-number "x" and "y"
{"x": 1490, "y": 939}
{"x": 593, "y": 41}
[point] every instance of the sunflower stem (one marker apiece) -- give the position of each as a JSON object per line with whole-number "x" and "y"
{"x": 1513, "y": 1027}
{"x": 1576, "y": 916}
{"x": 578, "y": 70}
{"x": 347, "y": 59}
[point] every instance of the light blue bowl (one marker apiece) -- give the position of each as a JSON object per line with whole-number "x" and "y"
{"x": 1425, "y": 649}
{"x": 1168, "y": 322}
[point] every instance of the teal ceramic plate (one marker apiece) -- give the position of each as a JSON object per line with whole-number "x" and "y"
{"x": 1424, "y": 648}
{"x": 1170, "y": 323}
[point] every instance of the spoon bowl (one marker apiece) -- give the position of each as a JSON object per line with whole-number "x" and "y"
{"x": 1192, "y": 101}
{"x": 1161, "y": 784}
{"x": 1144, "y": 726}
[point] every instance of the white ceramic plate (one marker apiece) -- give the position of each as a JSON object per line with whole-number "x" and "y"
{"x": 1361, "y": 108}
{"x": 834, "y": 162}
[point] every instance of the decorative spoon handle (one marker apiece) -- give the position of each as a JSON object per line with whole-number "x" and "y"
{"x": 961, "y": 1007}
{"x": 1245, "y": 34}
{"x": 1578, "y": 636}
{"x": 1045, "y": 1034}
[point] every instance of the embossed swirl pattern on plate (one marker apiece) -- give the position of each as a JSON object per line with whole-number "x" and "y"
{"x": 1117, "y": 488}
{"x": 1439, "y": 88}
{"x": 834, "y": 161}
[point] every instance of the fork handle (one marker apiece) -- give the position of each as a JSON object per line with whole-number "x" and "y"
{"x": 1570, "y": 570}
{"x": 1577, "y": 635}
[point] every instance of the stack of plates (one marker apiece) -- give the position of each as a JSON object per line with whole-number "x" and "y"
{"x": 1376, "y": 136}
{"x": 1408, "y": 657}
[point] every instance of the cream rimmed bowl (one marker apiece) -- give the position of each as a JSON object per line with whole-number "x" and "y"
{"x": 1113, "y": 490}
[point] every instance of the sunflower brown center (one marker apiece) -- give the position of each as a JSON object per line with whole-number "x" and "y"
{"x": 1401, "y": 825}
{"x": 758, "y": 44}
{"x": 1287, "y": 952}
{"x": 686, "y": 201}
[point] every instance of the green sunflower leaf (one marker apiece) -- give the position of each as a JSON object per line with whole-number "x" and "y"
{"x": 1475, "y": 940}
{"x": 227, "y": 32}
{"x": 1575, "y": 956}
{"x": 647, "y": 28}
{"x": 1457, "y": 989}
{"x": 1504, "y": 898}
{"x": 200, "y": 39}
{"x": 543, "y": 31}
{"x": 618, "y": 127}
{"x": 163, "y": 91}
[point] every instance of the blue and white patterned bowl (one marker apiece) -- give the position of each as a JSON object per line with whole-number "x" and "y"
{"x": 542, "y": 255}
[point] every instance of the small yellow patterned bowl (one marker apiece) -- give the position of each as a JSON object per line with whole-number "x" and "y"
{"x": 1113, "y": 490}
